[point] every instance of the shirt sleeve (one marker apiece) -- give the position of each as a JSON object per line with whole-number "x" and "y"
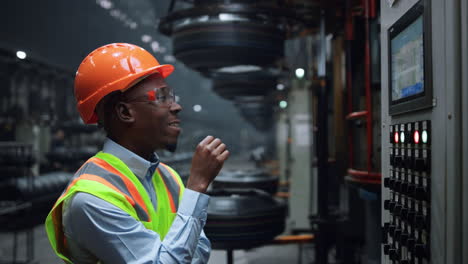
{"x": 202, "y": 253}
{"x": 113, "y": 236}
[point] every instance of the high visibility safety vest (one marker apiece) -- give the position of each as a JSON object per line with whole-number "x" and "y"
{"x": 108, "y": 178}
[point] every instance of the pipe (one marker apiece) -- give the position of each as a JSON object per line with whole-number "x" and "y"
{"x": 349, "y": 33}
{"x": 356, "y": 115}
{"x": 364, "y": 174}
{"x": 367, "y": 80}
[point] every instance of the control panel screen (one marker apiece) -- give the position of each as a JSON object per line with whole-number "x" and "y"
{"x": 407, "y": 61}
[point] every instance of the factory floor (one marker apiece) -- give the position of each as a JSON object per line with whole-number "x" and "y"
{"x": 43, "y": 253}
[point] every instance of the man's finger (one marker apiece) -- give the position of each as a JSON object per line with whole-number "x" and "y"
{"x": 223, "y": 156}
{"x": 219, "y": 149}
{"x": 206, "y": 140}
{"x": 214, "y": 144}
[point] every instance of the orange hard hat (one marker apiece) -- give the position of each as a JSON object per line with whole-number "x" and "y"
{"x": 113, "y": 67}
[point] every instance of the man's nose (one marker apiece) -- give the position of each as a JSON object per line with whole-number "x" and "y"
{"x": 175, "y": 108}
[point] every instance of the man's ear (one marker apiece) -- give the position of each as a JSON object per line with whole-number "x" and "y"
{"x": 124, "y": 112}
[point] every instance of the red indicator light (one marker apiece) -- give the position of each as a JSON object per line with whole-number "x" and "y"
{"x": 395, "y": 137}
{"x": 416, "y": 137}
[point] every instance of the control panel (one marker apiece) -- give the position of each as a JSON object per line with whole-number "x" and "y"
{"x": 406, "y": 236}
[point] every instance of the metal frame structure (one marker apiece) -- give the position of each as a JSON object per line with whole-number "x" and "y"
{"x": 367, "y": 176}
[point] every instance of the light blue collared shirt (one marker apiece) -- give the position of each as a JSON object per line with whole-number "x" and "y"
{"x": 97, "y": 230}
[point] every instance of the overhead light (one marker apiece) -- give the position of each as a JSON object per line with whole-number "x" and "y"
{"x": 155, "y": 46}
{"x": 169, "y": 58}
{"x": 133, "y": 25}
{"x": 115, "y": 13}
{"x": 280, "y": 87}
{"x": 239, "y": 69}
{"x": 300, "y": 73}
{"x": 146, "y": 38}
{"x": 106, "y": 4}
{"x": 21, "y": 54}
{"x": 283, "y": 104}
{"x": 197, "y": 108}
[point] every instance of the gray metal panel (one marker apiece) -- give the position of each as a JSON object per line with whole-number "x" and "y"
{"x": 446, "y": 161}
{"x": 453, "y": 131}
{"x": 464, "y": 105}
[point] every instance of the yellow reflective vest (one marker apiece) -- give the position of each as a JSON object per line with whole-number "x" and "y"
{"x": 108, "y": 178}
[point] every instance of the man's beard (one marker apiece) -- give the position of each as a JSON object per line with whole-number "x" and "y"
{"x": 171, "y": 147}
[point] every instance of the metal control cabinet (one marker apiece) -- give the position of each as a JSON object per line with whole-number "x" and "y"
{"x": 424, "y": 202}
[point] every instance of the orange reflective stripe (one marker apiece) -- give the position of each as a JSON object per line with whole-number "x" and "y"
{"x": 129, "y": 184}
{"x": 108, "y": 184}
{"x": 74, "y": 181}
{"x": 169, "y": 194}
{"x": 68, "y": 188}
{"x": 173, "y": 176}
{"x": 100, "y": 180}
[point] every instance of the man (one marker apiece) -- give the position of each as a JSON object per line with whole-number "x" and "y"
{"x": 124, "y": 205}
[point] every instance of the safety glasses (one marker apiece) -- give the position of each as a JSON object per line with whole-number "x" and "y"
{"x": 161, "y": 96}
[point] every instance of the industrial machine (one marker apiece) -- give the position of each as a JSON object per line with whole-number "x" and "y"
{"x": 424, "y": 71}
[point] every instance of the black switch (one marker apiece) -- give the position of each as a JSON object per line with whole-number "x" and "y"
{"x": 386, "y": 182}
{"x": 423, "y": 161}
{"x": 391, "y": 206}
{"x": 408, "y": 162}
{"x": 403, "y": 187}
{"x": 410, "y": 242}
{"x": 404, "y": 213}
{"x": 386, "y": 248}
{"x": 420, "y": 193}
{"x": 419, "y": 164}
{"x": 398, "y": 161}
{"x": 397, "y": 210}
{"x": 420, "y": 251}
{"x": 404, "y": 238}
{"x": 397, "y": 185}
{"x": 386, "y": 204}
{"x": 410, "y": 216}
{"x": 397, "y": 233}
{"x": 420, "y": 221}
{"x": 385, "y": 232}
{"x": 391, "y": 184}
{"x": 392, "y": 253}
{"x": 410, "y": 189}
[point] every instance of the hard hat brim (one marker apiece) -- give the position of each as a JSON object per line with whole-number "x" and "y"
{"x": 87, "y": 107}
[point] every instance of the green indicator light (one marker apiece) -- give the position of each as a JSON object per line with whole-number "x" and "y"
{"x": 402, "y": 137}
{"x": 424, "y": 136}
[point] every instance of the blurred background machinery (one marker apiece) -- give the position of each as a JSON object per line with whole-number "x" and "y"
{"x": 344, "y": 119}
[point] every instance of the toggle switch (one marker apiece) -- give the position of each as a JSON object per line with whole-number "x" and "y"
{"x": 386, "y": 248}
{"x": 386, "y": 182}
{"x": 397, "y": 209}
{"x": 420, "y": 251}
{"x": 404, "y": 213}
{"x": 404, "y": 238}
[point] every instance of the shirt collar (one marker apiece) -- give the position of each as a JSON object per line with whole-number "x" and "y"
{"x": 138, "y": 165}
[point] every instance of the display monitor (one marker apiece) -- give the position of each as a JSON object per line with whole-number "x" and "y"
{"x": 409, "y": 62}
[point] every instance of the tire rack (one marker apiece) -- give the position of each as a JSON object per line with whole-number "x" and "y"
{"x": 17, "y": 158}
